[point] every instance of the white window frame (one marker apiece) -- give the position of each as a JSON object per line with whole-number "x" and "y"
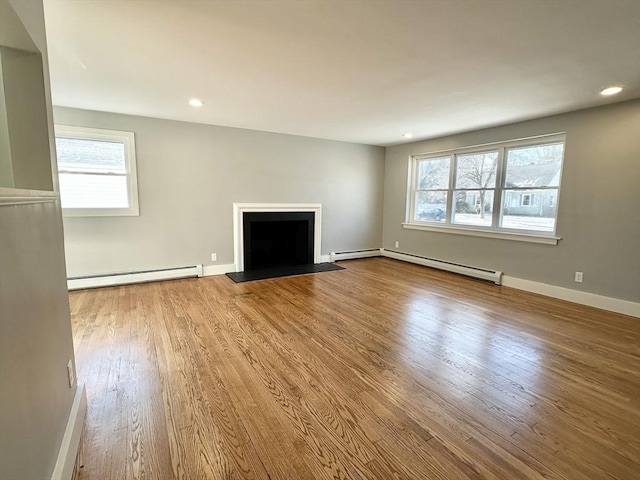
{"x": 529, "y": 197}
{"x": 116, "y": 136}
{"x": 496, "y": 230}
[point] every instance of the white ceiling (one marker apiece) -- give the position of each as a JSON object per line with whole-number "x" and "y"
{"x": 359, "y": 71}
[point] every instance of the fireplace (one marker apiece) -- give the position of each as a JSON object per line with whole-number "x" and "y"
{"x": 277, "y": 239}
{"x": 308, "y": 212}
{"x": 273, "y": 240}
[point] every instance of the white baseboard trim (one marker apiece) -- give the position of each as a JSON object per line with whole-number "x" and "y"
{"x": 157, "y": 275}
{"x": 624, "y": 307}
{"x": 209, "y": 270}
{"x": 134, "y": 277}
{"x": 71, "y": 440}
{"x": 584, "y": 298}
{"x": 352, "y": 254}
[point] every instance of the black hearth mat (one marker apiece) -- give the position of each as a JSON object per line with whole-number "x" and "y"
{"x": 285, "y": 271}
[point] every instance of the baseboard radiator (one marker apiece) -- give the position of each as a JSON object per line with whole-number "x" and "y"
{"x": 95, "y": 281}
{"x": 352, "y": 254}
{"x": 482, "y": 273}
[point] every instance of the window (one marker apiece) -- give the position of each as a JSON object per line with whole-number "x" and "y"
{"x": 475, "y": 179}
{"x": 525, "y": 200}
{"x": 96, "y": 171}
{"x": 511, "y": 187}
{"x": 432, "y": 189}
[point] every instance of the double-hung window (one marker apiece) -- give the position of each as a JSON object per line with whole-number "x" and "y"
{"x": 510, "y": 187}
{"x": 96, "y": 171}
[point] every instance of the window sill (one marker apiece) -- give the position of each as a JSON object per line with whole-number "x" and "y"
{"x": 517, "y": 237}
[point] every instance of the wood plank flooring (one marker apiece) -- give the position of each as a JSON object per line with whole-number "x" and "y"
{"x": 385, "y": 370}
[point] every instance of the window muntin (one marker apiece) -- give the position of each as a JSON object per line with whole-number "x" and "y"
{"x": 511, "y": 187}
{"x": 96, "y": 171}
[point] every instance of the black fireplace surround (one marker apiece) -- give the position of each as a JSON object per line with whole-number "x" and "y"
{"x": 277, "y": 239}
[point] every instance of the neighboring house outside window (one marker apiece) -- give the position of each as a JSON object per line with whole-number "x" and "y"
{"x": 96, "y": 171}
{"x": 508, "y": 187}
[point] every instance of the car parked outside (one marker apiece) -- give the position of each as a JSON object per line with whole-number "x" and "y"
{"x": 431, "y": 215}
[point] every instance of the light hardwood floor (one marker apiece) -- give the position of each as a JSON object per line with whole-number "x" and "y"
{"x": 383, "y": 370}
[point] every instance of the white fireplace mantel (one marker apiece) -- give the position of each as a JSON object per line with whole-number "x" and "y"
{"x": 238, "y": 230}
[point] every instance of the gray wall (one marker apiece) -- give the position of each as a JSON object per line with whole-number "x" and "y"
{"x": 26, "y": 120}
{"x": 35, "y": 330}
{"x": 599, "y": 206}
{"x": 35, "y": 341}
{"x": 6, "y": 166}
{"x": 189, "y": 175}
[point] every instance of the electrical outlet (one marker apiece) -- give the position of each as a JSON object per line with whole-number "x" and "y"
{"x": 72, "y": 377}
{"x": 214, "y": 257}
{"x": 397, "y": 244}
{"x": 578, "y": 277}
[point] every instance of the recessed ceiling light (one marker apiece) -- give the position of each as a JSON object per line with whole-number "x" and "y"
{"x": 611, "y": 90}
{"x": 194, "y": 102}
{"x": 408, "y": 135}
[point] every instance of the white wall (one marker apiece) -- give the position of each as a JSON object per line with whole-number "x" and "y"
{"x": 189, "y": 175}
{"x": 599, "y": 207}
